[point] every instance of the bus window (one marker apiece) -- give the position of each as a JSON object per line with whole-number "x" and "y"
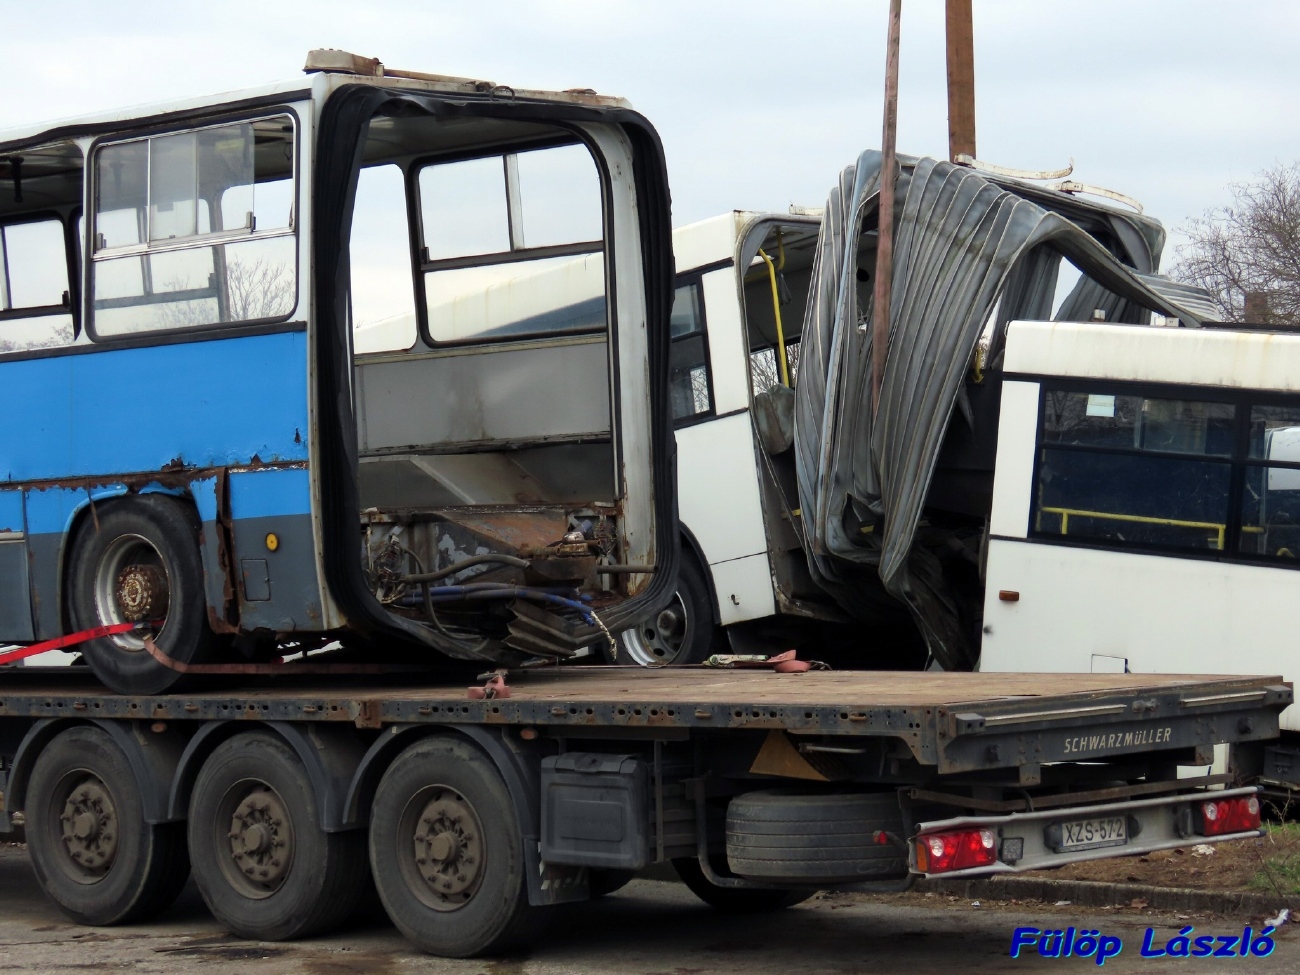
{"x": 383, "y": 295}
{"x": 513, "y": 245}
{"x": 1134, "y": 471}
{"x": 1270, "y": 502}
{"x": 194, "y": 228}
{"x": 689, "y": 387}
{"x": 34, "y": 305}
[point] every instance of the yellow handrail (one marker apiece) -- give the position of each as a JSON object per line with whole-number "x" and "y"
{"x": 776, "y": 311}
{"x": 1065, "y": 513}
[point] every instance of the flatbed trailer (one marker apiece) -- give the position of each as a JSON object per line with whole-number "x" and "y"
{"x": 476, "y": 808}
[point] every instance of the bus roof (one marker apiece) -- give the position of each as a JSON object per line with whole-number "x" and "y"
{"x": 327, "y": 70}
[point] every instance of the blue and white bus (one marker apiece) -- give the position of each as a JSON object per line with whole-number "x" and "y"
{"x": 272, "y": 364}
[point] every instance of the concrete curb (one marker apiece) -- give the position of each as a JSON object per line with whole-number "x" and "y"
{"x": 1094, "y": 894}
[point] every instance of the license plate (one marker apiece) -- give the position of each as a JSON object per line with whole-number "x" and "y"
{"x": 1093, "y": 834}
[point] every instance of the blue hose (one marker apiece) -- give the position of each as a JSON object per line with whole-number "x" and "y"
{"x": 447, "y": 594}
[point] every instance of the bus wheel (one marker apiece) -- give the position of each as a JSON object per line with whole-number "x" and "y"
{"x": 735, "y": 900}
{"x": 261, "y": 860}
{"x": 93, "y": 853}
{"x": 682, "y": 632}
{"x": 136, "y": 560}
{"x": 447, "y": 851}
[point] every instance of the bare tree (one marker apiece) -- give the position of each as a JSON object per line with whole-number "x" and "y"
{"x": 1247, "y": 254}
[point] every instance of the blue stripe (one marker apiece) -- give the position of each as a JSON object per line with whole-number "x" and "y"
{"x": 221, "y": 403}
{"x": 261, "y": 494}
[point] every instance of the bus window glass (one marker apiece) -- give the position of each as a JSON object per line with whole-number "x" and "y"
{"x": 1275, "y": 433}
{"x": 383, "y": 292}
{"x": 688, "y": 381}
{"x": 1133, "y": 471}
{"x": 173, "y": 180}
{"x": 195, "y": 229}
{"x": 121, "y": 194}
{"x": 1270, "y": 498}
{"x": 512, "y": 245}
{"x": 497, "y": 301}
{"x": 34, "y": 287}
{"x": 559, "y": 193}
{"x": 463, "y": 205}
{"x": 1141, "y": 423}
{"x": 37, "y": 264}
{"x": 1270, "y": 512}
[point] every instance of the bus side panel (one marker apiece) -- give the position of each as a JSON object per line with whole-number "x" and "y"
{"x": 275, "y": 550}
{"x": 219, "y": 403}
{"x": 99, "y": 418}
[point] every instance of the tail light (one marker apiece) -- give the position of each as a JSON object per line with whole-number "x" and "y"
{"x": 957, "y": 850}
{"x": 1220, "y": 816}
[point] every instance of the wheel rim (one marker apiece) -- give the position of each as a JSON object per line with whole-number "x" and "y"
{"x": 253, "y": 834}
{"x": 441, "y": 848}
{"x": 131, "y": 586}
{"x": 660, "y": 640}
{"x": 87, "y": 826}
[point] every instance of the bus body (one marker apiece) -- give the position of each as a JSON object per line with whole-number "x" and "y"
{"x": 1149, "y": 471}
{"x": 192, "y": 437}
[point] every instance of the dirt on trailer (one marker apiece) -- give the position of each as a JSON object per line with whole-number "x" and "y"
{"x": 1268, "y": 864}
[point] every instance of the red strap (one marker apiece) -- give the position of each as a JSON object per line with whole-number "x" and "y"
{"x": 58, "y": 643}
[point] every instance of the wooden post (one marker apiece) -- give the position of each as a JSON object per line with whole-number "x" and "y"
{"x": 885, "y": 239}
{"x": 961, "y": 79}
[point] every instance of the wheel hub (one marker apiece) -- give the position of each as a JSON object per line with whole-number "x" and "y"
{"x": 261, "y": 837}
{"x": 669, "y": 623}
{"x": 449, "y": 847}
{"x": 89, "y": 826}
{"x": 142, "y": 593}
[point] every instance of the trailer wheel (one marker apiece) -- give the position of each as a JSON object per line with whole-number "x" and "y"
{"x": 135, "y": 560}
{"x": 261, "y": 860}
{"x": 734, "y": 900}
{"x": 447, "y": 851}
{"x": 682, "y": 632}
{"x": 778, "y": 836}
{"x": 92, "y": 851}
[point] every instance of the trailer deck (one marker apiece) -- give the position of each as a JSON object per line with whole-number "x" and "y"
{"x": 954, "y": 721}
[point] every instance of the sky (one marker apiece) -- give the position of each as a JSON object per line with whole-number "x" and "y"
{"x": 760, "y": 103}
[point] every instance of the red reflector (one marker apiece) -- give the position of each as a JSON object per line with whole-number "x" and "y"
{"x": 957, "y": 850}
{"x": 1221, "y": 816}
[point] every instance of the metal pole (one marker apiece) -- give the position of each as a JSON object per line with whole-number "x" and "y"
{"x": 961, "y": 79}
{"x": 885, "y": 239}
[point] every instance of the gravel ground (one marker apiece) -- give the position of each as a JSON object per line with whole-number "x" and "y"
{"x": 649, "y": 928}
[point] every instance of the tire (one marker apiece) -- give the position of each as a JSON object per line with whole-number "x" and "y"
{"x": 681, "y": 633}
{"x": 735, "y": 900}
{"x": 264, "y": 866}
{"x": 133, "y": 559}
{"x": 443, "y": 801}
{"x": 105, "y": 865}
{"x": 775, "y": 836}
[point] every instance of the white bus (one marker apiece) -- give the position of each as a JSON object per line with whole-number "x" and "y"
{"x": 1155, "y": 472}
{"x": 742, "y": 285}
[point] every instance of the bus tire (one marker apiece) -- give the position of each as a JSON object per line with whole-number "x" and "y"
{"x": 681, "y": 633}
{"x": 447, "y": 851}
{"x": 92, "y": 851}
{"x": 133, "y": 558}
{"x": 735, "y": 900}
{"x": 264, "y": 866}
